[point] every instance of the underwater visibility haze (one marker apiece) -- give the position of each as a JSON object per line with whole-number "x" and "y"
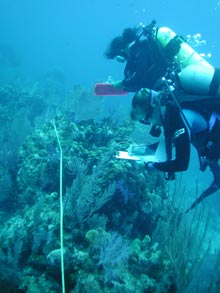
{"x": 74, "y": 218}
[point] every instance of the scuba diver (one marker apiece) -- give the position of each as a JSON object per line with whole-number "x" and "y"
{"x": 153, "y": 52}
{"x": 144, "y": 57}
{"x": 179, "y": 89}
{"x": 182, "y": 125}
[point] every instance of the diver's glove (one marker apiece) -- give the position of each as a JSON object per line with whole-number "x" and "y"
{"x": 155, "y": 130}
{"x": 149, "y": 166}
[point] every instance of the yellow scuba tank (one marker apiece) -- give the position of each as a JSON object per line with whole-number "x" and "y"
{"x": 197, "y": 74}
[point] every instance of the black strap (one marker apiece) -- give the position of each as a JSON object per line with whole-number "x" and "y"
{"x": 214, "y": 86}
{"x": 173, "y": 47}
{"x": 198, "y": 148}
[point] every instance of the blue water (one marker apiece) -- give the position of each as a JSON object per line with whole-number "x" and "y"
{"x": 71, "y": 35}
{"x": 66, "y": 39}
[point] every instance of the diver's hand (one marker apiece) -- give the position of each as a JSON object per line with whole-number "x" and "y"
{"x": 149, "y": 93}
{"x": 146, "y": 165}
{"x": 144, "y": 92}
{"x": 117, "y": 84}
{"x": 149, "y": 166}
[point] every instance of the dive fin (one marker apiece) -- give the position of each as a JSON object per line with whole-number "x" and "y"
{"x": 210, "y": 190}
{"x": 215, "y": 185}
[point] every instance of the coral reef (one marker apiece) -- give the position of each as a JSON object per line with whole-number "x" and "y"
{"x": 111, "y": 211}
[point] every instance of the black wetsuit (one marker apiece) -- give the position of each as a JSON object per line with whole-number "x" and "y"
{"x": 205, "y": 140}
{"x": 175, "y": 131}
{"x": 180, "y": 133}
{"x": 145, "y": 66}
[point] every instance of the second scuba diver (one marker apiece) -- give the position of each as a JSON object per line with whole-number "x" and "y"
{"x": 181, "y": 126}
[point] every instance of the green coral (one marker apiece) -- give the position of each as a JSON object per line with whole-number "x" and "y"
{"x": 94, "y": 210}
{"x": 87, "y": 139}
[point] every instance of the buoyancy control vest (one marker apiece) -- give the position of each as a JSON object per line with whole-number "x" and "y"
{"x": 197, "y": 76}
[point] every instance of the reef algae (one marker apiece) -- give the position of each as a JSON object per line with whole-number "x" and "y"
{"x": 111, "y": 209}
{"x": 100, "y": 227}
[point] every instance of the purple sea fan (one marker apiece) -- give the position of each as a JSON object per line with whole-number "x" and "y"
{"x": 113, "y": 256}
{"x": 124, "y": 192}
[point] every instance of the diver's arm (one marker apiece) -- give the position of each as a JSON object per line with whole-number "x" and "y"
{"x": 182, "y": 155}
{"x": 175, "y": 132}
{"x": 136, "y": 68}
{"x": 145, "y": 66}
{"x": 133, "y": 82}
